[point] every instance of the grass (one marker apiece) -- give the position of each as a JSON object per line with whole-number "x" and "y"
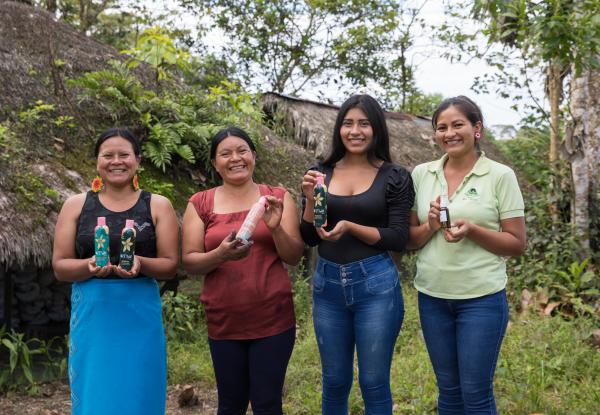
{"x": 546, "y": 365}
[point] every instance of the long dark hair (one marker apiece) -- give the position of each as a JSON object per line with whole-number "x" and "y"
{"x": 467, "y": 107}
{"x": 118, "y": 132}
{"x": 379, "y": 147}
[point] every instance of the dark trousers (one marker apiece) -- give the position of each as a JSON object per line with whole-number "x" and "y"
{"x": 251, "y": 371}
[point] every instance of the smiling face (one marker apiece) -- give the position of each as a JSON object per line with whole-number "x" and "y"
{"x": 454, "y": 132}
{"x": 234, "y": 160}
{"x": 356, "y": 131}
{"x": 117, "y": 162}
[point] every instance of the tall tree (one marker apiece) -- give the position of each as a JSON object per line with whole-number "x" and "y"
{"x": 562, "y": 37}
{"x": 557, "y": 34}
{"x": 583, "y": 148}
{"x": 289, "y": 44}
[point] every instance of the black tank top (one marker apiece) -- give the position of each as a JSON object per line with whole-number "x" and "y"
{"x": 145, "y": 242}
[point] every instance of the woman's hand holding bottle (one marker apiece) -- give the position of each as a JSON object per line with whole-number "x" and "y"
{"x": 231, "y": 249}
{"x": 308, "y": 184}
{"x": 98, "y": 270}
{"x": 336, "y": 233}
{"x": 434, "y": 215}
{"x": 135, "y": 269}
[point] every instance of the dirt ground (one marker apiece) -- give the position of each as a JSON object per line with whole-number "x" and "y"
{"x": 55, "y": 400}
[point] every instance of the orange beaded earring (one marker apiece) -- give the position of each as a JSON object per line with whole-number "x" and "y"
{"x": 135, "y": 183}
{"x": 97, "y": 184}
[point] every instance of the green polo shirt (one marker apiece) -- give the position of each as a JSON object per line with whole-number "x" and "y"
{"x": 488, "y": 194}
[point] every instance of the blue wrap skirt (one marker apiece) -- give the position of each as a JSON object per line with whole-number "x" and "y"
{"x": 117, "y": 348}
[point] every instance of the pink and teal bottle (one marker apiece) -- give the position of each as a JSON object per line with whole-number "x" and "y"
{"x": 101, "y": 243}
{"x": 128, "y": 235}
{"x": 256, "y": 213}
{"x": 320, "y": 194}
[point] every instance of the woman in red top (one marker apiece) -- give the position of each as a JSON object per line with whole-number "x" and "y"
{"x": 247, "y": 292}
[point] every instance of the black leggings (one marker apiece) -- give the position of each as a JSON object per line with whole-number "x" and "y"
{"x": 251, "y": 370}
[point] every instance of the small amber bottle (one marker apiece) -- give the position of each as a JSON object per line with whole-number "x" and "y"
{"x": 444, "y": 213}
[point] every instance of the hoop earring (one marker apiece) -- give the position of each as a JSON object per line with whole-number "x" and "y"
{"x": 135, "y": 183}
{"x": 477, "y": 135}
{"x": 97, "y": 184}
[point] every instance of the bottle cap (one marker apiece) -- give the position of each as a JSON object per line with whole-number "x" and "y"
{"x": 101, "y": 221}
{"x": 443, "y": 200}
{"x": 320, "y": 180}
{"x": 129, "y": 223}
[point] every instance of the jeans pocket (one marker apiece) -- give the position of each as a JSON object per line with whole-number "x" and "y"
{"x": 383, "y": 282}
{"x": 318, "y": 282}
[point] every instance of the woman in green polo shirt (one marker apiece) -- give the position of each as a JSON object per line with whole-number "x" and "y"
{"x": 461, "y": 272}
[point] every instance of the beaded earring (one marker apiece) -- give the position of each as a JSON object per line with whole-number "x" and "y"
{"x": 135, "y": 183}
{"x": 97, "y": 184}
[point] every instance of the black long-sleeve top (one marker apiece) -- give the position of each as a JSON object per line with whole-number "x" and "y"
{"x": 385, "y": 205}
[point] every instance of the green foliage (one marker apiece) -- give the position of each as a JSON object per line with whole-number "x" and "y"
{"x": 302, "y": 298}
{"x": 563, "y": 30}
{"x": 182, "y": 316}
{"x": 528, "y": 152}
{"x": 290, "y": 44}
{"x": 11, "y": 148}
{"x": 159, "y": 187}
{"x": 534, "y": 37}
{"x": 23, "y": 354}
{"x": 156, "y": 48}
{"x": 175, "y": 123}
{"x": 419, "y": 103}
{"x": 34, "y": 114}
{"x": 552, "y": 261}
{"x": 576, "y": 289}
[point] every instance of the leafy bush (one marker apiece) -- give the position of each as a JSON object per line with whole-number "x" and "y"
{"x": 302, "y": 298}
{"x": 23, "y": 353}
{"x": 183, "y": 316}
{"x": 553, "y": 259}
{"x": 174, "y": 120}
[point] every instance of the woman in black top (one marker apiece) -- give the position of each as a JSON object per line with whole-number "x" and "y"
{"x": 357, "y": 301}
{"x": 117, "y": 350}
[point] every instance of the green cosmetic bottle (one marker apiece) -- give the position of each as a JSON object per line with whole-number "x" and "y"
{"x": 320, "y": 210}
{"x": 101, "y": 243}
{"x": 128, "y": 235}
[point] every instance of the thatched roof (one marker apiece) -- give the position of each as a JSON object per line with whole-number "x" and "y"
{"x": 25, "y": 235}
{"x": 37, "y": 55}
{"x": 310, "y": 124}
{"x": 35, "y": 49}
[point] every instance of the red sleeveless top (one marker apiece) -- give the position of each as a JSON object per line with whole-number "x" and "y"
{"x": 249, "y": 298}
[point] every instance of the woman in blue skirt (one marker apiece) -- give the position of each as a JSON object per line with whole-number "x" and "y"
{"x": 117, "y": 350}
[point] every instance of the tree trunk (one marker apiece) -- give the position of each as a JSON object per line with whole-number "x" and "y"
{"x": 554, "y": 81}
{"x": 84, "y": 9}
{"x": 583, "y": 146}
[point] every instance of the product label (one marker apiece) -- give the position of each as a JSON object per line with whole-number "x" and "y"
{"x": 101, "y": 246}
{"x": 127, "y": 249}
{"x": 443, "y": 216}
{"x": 320, "y": 211}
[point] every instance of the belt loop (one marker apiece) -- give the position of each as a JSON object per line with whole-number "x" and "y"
{"x": 363, "y": 269}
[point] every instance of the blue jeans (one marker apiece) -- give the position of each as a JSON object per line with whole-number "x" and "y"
{"x": 360, "y": 304}
{"x": 463, "y": 338}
